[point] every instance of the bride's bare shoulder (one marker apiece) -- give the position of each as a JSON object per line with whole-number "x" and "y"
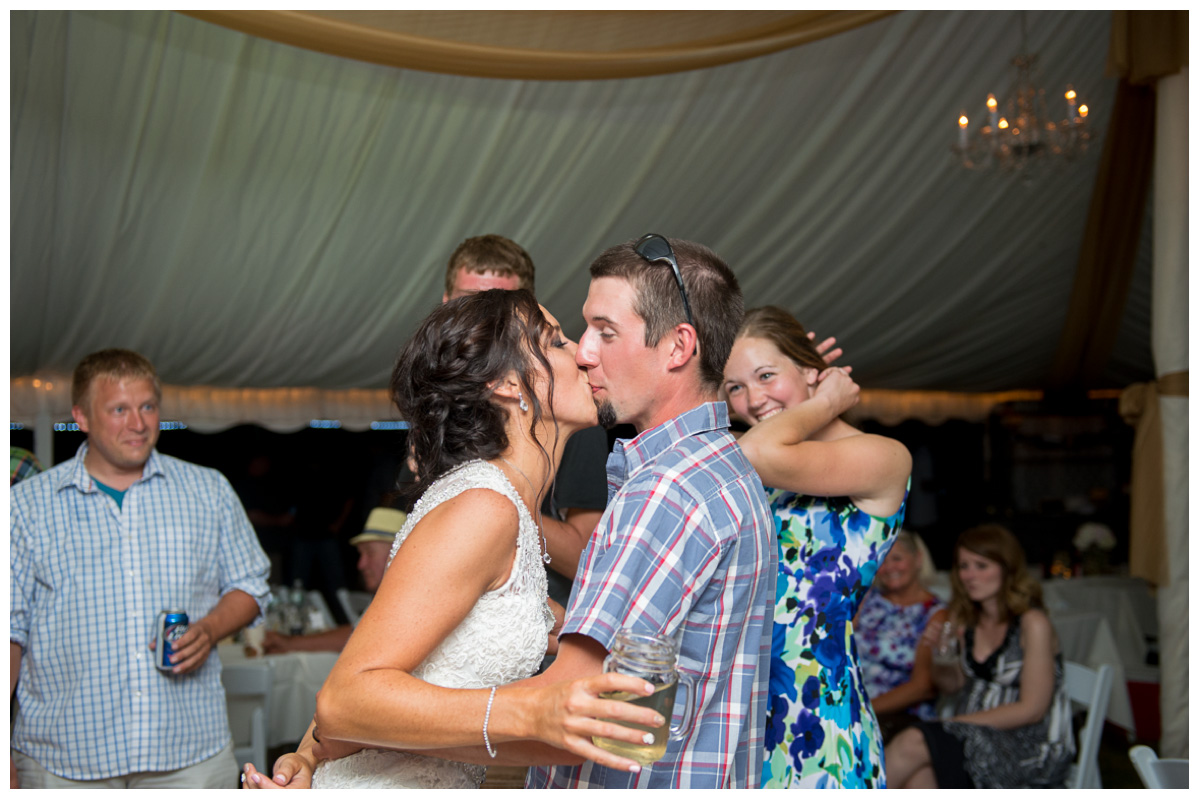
{"x": 473, "y": 512}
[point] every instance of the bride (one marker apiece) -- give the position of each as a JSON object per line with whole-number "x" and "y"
{"x": 490, "y": 387}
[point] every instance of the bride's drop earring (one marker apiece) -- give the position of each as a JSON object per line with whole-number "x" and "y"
{"x": 521, "y": 402}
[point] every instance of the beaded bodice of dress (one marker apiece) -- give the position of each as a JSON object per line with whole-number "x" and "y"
{"x": 502, "y": 639}
{"x": 504, "y": 636}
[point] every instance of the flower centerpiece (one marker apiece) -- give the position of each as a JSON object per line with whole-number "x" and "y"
{"x": 1094, "y": 541}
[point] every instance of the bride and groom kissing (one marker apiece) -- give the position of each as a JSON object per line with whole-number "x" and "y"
{"x": 437, "y": 680}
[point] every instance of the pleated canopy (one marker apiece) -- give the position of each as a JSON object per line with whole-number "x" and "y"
{"x": 268, "y": 222}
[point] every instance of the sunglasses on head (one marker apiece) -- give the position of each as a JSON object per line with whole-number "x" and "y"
{"x": 654, "y": 248}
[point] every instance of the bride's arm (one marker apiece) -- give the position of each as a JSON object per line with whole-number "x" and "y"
{"x": 392, "y": 632}
{"x": 550, "y": 718}
{"x": 460, "y": 550}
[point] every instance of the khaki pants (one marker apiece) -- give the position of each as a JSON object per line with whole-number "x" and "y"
{"x": 218, "y": 772}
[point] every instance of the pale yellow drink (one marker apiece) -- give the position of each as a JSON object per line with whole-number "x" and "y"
{"x": 662, "y": 701}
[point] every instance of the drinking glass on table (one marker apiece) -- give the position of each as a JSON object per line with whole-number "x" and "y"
{"x": 652, "y": 658}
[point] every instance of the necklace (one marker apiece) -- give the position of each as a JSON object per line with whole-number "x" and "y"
{"x": 545, "y": 542}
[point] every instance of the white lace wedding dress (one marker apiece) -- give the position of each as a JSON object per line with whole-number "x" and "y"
{"x": 501, "y": 640}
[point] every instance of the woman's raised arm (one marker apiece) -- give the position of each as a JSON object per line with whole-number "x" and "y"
{"x": 862, "y": 466}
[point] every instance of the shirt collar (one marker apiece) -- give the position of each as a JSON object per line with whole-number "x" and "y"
{"x": 79, "y": 477}
{"x": 647, "y": 445}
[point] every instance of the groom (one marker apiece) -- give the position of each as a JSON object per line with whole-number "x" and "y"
{"x": 686, "y": 546}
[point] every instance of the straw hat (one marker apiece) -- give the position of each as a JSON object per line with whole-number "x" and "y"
{"x": 382, "y": 525}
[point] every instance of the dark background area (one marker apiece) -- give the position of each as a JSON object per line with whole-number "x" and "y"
{"x": 1041, "y": 471}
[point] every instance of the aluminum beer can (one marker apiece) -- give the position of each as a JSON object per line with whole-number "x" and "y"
{"x": 171, "y": 625}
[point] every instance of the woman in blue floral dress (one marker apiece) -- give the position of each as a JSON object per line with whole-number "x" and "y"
{"x": 838, "y": 495}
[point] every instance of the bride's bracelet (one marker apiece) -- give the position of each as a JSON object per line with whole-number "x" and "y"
{"x": 486, "y": 716}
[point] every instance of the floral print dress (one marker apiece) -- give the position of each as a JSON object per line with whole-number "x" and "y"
{"x": 887, "y": 636}
{"x": 821, "y": 731}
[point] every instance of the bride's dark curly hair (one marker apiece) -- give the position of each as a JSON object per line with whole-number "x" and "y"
{"x": 443, "y": 379}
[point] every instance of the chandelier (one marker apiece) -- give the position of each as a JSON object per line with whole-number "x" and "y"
{"x": 1021, "y": 133}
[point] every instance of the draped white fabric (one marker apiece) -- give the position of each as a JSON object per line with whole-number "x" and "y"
{"x": 252, "y": 216}
{"x": 1171, "y": 356}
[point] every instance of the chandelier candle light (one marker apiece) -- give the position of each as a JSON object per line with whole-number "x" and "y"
{"x": 1026, "y": 134}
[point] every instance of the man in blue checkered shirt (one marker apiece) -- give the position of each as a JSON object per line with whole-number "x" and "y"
{"x": 99, "y": 546}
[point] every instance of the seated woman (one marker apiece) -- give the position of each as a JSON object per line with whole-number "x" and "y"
{"x": 1012, "y": 722}
{"x": 895, "y": 661}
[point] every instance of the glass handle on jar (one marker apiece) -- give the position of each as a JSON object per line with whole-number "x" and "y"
{"x": 689, "y": 707}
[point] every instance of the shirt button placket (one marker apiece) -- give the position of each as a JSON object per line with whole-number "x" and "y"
{"x": 140, "y": 615}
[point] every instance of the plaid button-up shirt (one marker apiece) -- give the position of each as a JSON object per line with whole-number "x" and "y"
{"x": 88, "y": 580}
{"x": 685, "y": 548}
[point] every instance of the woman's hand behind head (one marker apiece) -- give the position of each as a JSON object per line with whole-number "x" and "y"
{"x": 839, "y": 388}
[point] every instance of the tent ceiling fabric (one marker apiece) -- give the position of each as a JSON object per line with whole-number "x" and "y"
{"x": 252, "y": 215}
{"x": 544, "y": 45}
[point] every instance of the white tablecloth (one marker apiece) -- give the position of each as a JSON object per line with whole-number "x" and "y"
{"x": 296, "y": 677}
{"x": 1124, "y": 602}
{"x": 1086, "y": 638}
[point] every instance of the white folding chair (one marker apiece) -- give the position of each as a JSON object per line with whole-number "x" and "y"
{"x": 249, "y": 685}
{"x": 354, "y": 603}
{"x": 1089, "y": 688}
{"x": 1159, "y": 773}
{"x": 317, "y": 601}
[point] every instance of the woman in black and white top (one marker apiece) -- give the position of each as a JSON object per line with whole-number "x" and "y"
{"x": 1012, "y": 721}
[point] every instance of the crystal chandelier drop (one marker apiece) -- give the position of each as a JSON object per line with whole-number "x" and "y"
{"x": 1020, "y": 134}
